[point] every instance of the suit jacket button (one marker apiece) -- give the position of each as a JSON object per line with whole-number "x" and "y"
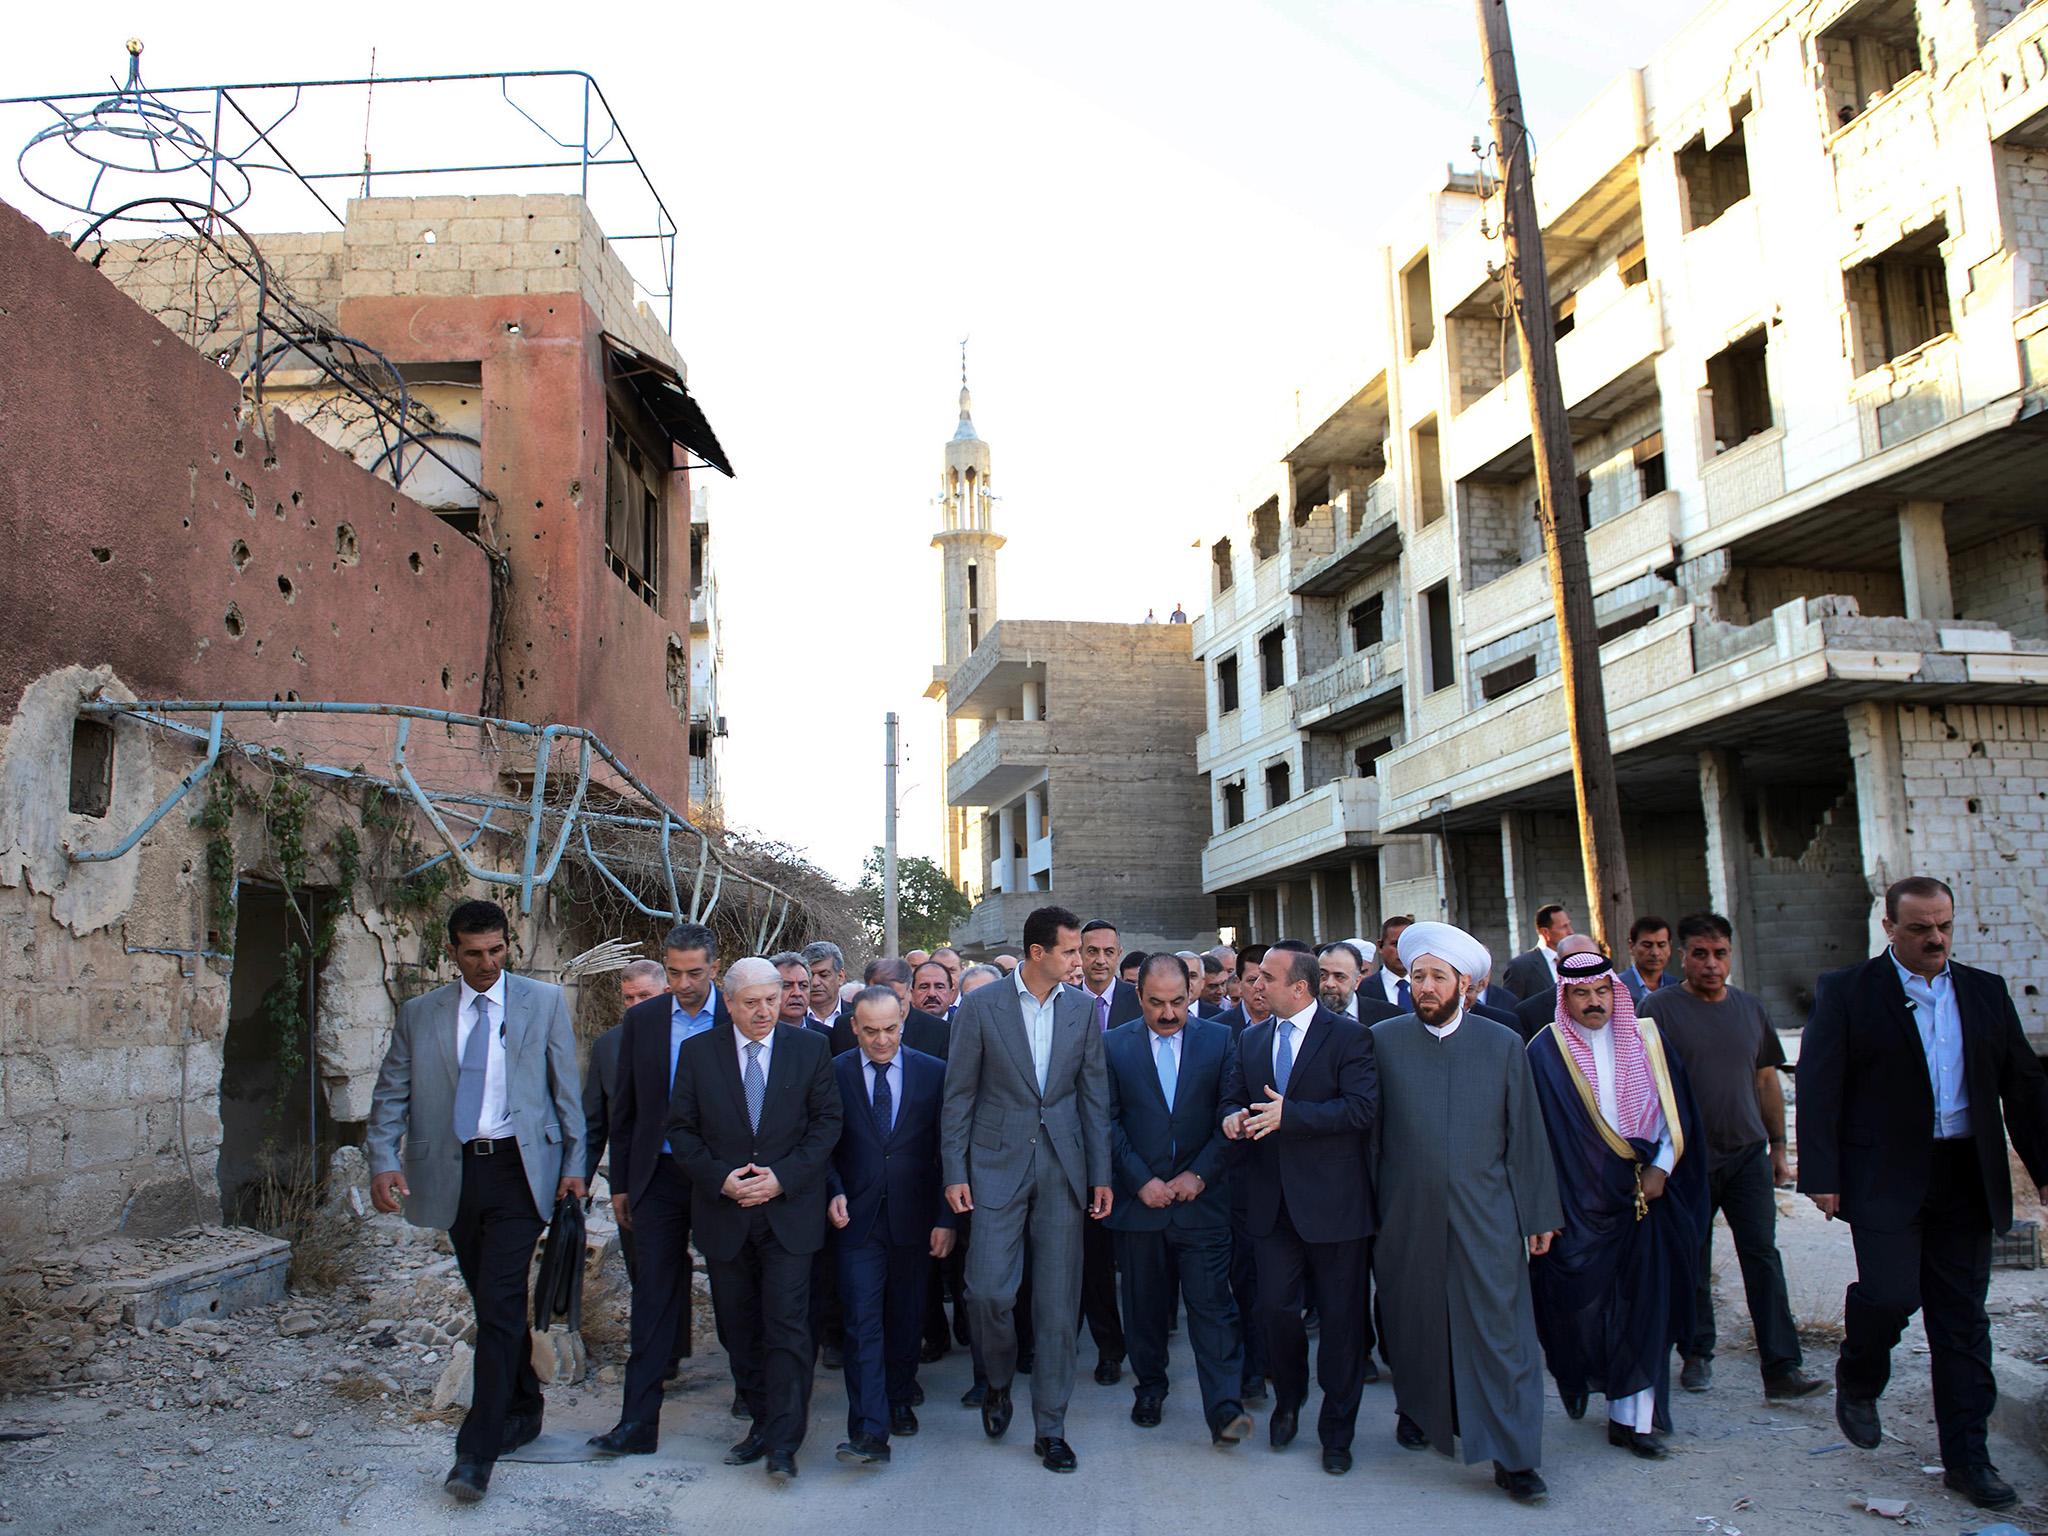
{"x": 1034, "y": 1141}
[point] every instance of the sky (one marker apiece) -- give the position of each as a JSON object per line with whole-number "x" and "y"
{"x": 1153, "y": 220}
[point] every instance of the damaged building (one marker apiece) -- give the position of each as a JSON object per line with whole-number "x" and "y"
{"x": 1799, "y": 262}
{"x": 348, "y": 573}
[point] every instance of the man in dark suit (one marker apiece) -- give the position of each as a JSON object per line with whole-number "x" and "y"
{"x": 1172, "y": 1214}
{"x": 754, "y": 1120}
{"x": 1903, "y": 1070}
{"x": 1248, "y": 1009}
{"x": 650, "y": 1193}
{"x": 796, "y": 989}
{"x": 638, "y": 981}
{"x": 892, "y": 1221}
{"x": 1533, "y": 973}
{"x": 1304, "y": 1093}
{"x": 1112, "y": 1003}
{"x": 1025, "y": 1145}
{"x": 921, "y": 1031}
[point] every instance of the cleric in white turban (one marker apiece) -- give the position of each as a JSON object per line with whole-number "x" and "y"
{"x": 1468, "y": 1190}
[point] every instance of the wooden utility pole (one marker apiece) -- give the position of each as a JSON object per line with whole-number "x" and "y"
{"x": 890, "y": 934}
{"x": 1608, "y": 899}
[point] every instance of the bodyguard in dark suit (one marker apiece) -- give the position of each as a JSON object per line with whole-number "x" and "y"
{"x": 1533, "y": 973}
{"x": 1305, "y": 1093}
{"x": 1903, "y": 1070}
{"x": 1111, "y": 1003}
{"x": 892, "y": 1220}
{"x": 921, "y": 1031}
{"x": 756, "y": 1141}
{"x": 1172, "y": 1214}
{"x": 638, "y": 981}
{"x": 650, "y": 1193}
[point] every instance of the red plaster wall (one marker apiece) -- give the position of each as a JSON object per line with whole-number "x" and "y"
{"x": 127, "y": 483}
{"x": 580, "y": 648}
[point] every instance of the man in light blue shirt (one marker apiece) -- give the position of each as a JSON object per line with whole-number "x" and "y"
{"x": 1649, "y": 947}
{"x": 1932, "y": 1002}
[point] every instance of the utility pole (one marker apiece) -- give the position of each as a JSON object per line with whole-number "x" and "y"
{"x": 1608, "y": 898}
{"x": 889, "y": 934}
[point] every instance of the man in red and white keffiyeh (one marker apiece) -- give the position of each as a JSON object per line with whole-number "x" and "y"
{"x": 1597, "y": 1020}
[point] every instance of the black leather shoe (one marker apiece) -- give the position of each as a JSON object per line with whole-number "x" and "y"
{"x": 1524, "y": 1487}
{"x": 1858, "y": 1418}
{"x": 1787, "y": 1385}
{"x": 626, "y": 1440}
{"x": 832, "y": 1358}
{"x": 1282, "y": 1426}
{"x": 520, "y": 1429}
{"x": 1336, "y": 1462}
{"x": 747, "y": 1452}
{"x": 1574, "y": 1404}
{"x": 1230, "y": 1426}
{"x": 902, "y": 1421}
{"x": 1649, "y": 1447}
{"x": 781, "y": 1468}
{"x": 995, "y": 1412}
{"x": 1371, "y": 1373}
{"x": 675, "y": 1369}
{"x": 1024, "y": 1363}
{"x": 861, "y": 1453}
{"x": 1982, "y": 1486}
{"x": 468, "y": 1480}
{"x": 1409, "y": 1433}
{"x": 1697, "y": 1374}
{"x": 1145, "y": 1413}
{"x": 1054, "y": 1454}
{"x": 1108, "y": 1372}
{"x": 739, "y": 1407}
{"x": 1253, "y": 1390}
{"x": 974, "y": 1396}
{"x": 934, "y": 1349}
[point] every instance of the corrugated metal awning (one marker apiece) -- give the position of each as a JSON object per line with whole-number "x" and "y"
{"x": 668, "y": 400}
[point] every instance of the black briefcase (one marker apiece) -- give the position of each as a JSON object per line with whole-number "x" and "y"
{"x": 558, "y": 1287}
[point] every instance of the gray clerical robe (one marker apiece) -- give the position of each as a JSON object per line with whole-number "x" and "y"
{"x": 1464, "y": 1174}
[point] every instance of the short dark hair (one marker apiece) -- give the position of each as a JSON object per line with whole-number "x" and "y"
{"x": 932, "y": 965}
{"x": 1703, "y": 925}
{"x": 1042, "y": 927}
{"x": 1643, "y": 925}
{"x": 888, "y": 968}
{"x": 1251, "y": 954}
{"x": 1405, "y": 920}
{"x": 1347, "y": 946}
{"x": 1211, "y": 966}
{"x": 1921, "y": 886}
{"x": 1547, "y": 911}
{"x": 1301, "y": 962}
{"x": 1161, "y": 961}
{"x": 693, "y": 936}
{"x": 1096, "y": 925}
{"x": 872, "y": 995}
{"x": 478, "y": 917}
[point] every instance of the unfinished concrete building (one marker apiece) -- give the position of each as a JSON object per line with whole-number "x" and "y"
{"x": 1053, "y": 726}
{"x": 1799, "y": 266}
{"x": 348, "y": 573}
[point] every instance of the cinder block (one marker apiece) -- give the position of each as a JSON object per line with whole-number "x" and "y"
{"x": 552, "y": 281}
{"x": 91, "y": 1077}
{"x": 504, "y": 280}
{"x": 97, "y": 1137}
{"x": 367, "y": 285}
{"x": 447, "y": 284}
{"x": 555, "y": 228}
{"x": 466, "y": 231}
{"x": 486, "y": 258}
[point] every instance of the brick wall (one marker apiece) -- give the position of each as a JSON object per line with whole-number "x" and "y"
{"x": 2024, "y": 172}
{"x": 2004, "y": 580}
{"x": 1752, "y": 591}
{"x": 1479, "y": 894}
{"x": 1491, "y": 515}
{"x": 1808, "y": 914}
{"x": 1479, "y": 346}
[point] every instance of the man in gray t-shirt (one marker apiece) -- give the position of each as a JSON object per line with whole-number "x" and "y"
{"x": 1732, "y": 1055}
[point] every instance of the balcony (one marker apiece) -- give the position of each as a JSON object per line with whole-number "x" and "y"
{"x": 2015, "y": 80}
{"x": 1913, "y": 393}
{"x": 1327, "y": 822}
{"x": 1252, "y": 720}
{"x": 1606, "y": 364}
{"x": 1618, "y": 550}
{"x": 1748, "y": 476}
{"x": 1886, "y": 156}
{"x": 1010, "y": 757}
{"x": 1371, "y": 527}
{"x": 1364, "y": 683}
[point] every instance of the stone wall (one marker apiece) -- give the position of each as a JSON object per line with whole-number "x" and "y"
{"x": 2005, "y": 581}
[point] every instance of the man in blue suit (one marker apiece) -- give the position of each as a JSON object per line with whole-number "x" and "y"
{"x": 891, "y": 1218}
{"x": 1172, "y": 1211}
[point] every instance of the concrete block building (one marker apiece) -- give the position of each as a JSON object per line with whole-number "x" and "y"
{"x": 1800, "y": 267}
{"x": 1069, "y": 776}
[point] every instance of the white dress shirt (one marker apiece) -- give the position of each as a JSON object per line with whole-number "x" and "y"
{"x": 894, "y": 1072}
{"x": 1444, "y": 1032}
{"x": 1038, "y": 1020}
{"x": 767, "y": 1044}
{"x": 1549, "y": 958}
{"x": 493, "y": 1121}
{"x": 1601, "y": 1042}
{"x": 1294, "y": 1030}
{"x": 1389, "y": 984}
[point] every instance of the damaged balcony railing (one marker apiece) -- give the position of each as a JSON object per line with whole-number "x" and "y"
{"x": 648, "y": 837}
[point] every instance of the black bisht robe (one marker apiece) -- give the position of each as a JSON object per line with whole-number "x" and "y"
{"x": 1615, "y": 1293}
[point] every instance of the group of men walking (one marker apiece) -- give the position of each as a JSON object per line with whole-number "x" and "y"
{"x": 1259, "y": 1145}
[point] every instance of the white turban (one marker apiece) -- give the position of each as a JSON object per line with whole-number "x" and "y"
{"x": 1454, "y": 946}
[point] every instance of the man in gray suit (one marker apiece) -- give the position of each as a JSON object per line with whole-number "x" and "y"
{"x": 1024, "y": 1139}
{"x": 480, "y": 1081}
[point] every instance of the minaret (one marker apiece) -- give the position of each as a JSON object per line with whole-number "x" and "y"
{"x": 967, "y": 545}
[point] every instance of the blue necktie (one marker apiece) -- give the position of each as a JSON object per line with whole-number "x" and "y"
{"x": 755, "y": 1084}
{"x": 1168, "y": 1071}
{"x": 1283, "y": 1061}
{"x": 1403, "y": 996}
{"x": 885, "y": 1105}
{"x": 469, "y": 1089}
